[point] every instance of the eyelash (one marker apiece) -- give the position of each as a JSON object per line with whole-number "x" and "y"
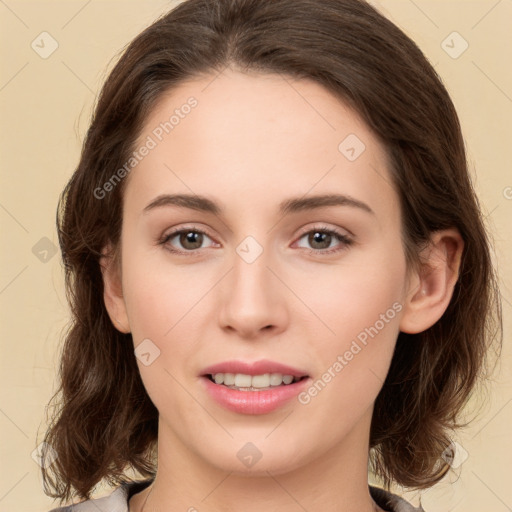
{"x": 344, "y": 239}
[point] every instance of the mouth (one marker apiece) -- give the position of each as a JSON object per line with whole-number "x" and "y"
{"x": 260, "y": 382}
{"x": 253, "y": 376}
{"x": 253, "y": 394}
{"x": 258, "y": 387}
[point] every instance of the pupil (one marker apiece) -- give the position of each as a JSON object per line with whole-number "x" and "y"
{"x": 193, "y": 238}
{"x": 319, "y": 237}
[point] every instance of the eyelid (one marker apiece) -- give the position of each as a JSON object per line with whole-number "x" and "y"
{"x": 346, "y": 238}
{"x": 323, "y": 227}
{"x": 175, "y": 231}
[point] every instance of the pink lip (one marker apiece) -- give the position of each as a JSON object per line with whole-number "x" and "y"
{"x": 253, "y": 402}
{"x": 255, "y": 368}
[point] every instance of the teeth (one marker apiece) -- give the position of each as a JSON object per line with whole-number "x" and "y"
{"x": 226, "y": 378}
{"x": 276, "y": 379}
{"x": 287, "y": 379}
{"x": 241, "y": 380}
{"x": 219, "y": 378}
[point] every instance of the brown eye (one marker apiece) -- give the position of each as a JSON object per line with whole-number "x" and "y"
{"x": 191, "y": 239}
{"x": 320, "y": 241}
{"x": 185, "y": 240}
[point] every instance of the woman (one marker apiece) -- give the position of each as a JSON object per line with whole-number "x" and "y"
{"x": 277, "y": 268}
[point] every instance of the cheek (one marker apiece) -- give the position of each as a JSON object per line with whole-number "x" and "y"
{"x": 352, "y": 367}
{"x": 361, "y": 305}
{"x": 165, "y": 304}
{"x": 159, "y": 295}
{"x": 346, "y": 297}
{"x": 352, "y": 297}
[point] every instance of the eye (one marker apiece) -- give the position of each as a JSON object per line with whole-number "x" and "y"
{"x": 190, "y": 240}
{"x": 323, "y": 240}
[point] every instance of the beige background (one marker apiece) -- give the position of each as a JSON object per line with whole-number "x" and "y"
{"x": 45, "y": 106}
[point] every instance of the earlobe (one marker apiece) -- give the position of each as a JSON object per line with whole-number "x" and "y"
{"x": 433, "y": 285}
{"x": 112, "y": 291}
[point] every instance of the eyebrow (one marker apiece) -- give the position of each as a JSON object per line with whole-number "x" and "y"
{"x": 292, "y": 205}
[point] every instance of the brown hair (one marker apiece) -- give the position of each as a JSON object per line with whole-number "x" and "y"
{"x": 104, "y": 422}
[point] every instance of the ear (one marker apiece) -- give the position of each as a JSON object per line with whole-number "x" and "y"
{"x": 113, "y": 291}
{"x": 431, "y": 286}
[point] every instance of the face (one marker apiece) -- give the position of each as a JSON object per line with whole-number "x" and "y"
{"x": 254, "y": 275}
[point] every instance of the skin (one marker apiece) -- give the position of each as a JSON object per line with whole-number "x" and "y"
{"x": 253, "y": 141}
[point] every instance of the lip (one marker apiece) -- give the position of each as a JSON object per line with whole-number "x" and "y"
{"x": 253, "y": 402}
{"x": 254, "y": 368}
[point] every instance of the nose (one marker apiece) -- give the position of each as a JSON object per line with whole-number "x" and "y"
{"x": 253, "y": 300}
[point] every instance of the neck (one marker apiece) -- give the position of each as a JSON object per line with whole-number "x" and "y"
{"x": 336, "y": 481}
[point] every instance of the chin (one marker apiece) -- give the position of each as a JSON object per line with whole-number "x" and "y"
{"x": 254, "y": 458}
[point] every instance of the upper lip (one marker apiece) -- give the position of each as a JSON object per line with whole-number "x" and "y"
{"x": 253, "y": 368}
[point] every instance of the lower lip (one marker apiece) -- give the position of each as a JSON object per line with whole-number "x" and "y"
{"x": 253, "y": 402}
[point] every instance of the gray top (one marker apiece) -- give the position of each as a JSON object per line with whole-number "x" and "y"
{"x": 117, "y": 500}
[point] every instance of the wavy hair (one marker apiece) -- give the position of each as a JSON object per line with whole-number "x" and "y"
{"x": 103, "y": 421}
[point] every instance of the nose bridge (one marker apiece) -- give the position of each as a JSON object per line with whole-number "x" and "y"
{"x": 250, "y": 277}
{"x": 250, "y": 299}
{"x": 250, "y": 272}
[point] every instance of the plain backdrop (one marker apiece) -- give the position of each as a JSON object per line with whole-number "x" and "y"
{"x": 46, "y": 99}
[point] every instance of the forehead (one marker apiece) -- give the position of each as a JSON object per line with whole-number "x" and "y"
{"x": 252, "y": 139}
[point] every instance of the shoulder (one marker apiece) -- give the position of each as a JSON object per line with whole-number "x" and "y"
{"x": 391, "y": 502}
{"x": 116, "y": 501}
